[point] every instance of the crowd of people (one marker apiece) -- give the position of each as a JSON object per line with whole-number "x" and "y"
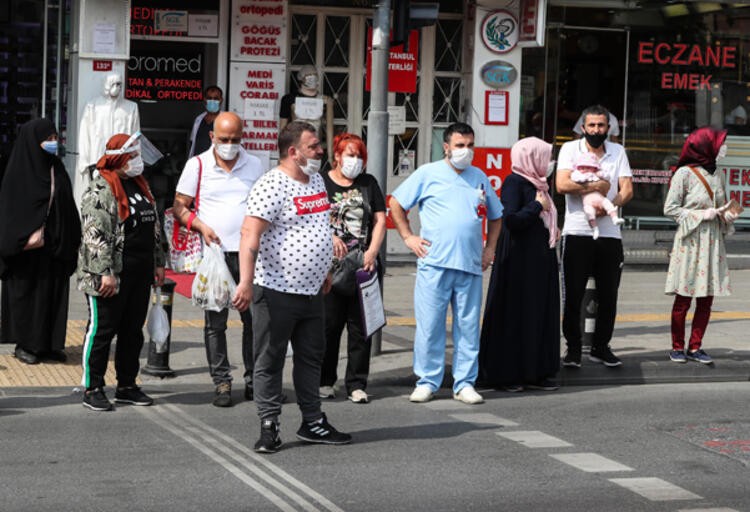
{"x": 287, "y": 233}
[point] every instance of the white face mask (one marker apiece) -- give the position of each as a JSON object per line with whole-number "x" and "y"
{"x": 722, "y": 152}
{"x": 551, "y": 167}
{"x": 227, "y": 151}
{"x": 135, "y": 167}
{"x": 351, "y": 166}
{"x": 310, "y": 81}
{"x": 114, "y": 90}
{"x": 461, "y": 158}
{"x": 311, "y": 167}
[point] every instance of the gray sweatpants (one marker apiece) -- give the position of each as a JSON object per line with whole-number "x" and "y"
{"x": 277, "y": 318}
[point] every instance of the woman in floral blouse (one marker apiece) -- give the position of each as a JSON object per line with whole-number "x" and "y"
{"x": 119, "y": 260}
{"x": 698, "y": 262}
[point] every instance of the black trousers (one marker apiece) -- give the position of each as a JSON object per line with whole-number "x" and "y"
{"x": 340, "y": 311}
{"x": 123, "y": 316}
{"x": 602, "y": 259}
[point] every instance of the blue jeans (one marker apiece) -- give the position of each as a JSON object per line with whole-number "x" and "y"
{"x": 434, "y": 290}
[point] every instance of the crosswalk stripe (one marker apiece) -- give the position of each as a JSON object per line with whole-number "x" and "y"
{"x": 483, "y": 418}
{"x": 590, "y": 462}
{"x": 655, "y": 489}
{"x": 534, "y": 439}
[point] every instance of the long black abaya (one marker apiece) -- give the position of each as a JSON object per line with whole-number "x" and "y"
{"x": 36, "y": 282}
{"x": 520, "y": 341}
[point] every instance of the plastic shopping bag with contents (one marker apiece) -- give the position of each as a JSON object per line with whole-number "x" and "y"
{"x": 213, "y": 286}
{"x": 157, "y": 323}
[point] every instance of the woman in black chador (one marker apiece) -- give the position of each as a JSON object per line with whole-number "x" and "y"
{"x": 520, "y": 342}
{"x": 40, "y": 232}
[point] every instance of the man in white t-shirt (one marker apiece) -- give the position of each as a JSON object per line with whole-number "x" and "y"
{"x": 613, "y": 132}
{"x": 225, "y": 174}
{"x": 583, "y": 256}
{"x": 285, "y": 256}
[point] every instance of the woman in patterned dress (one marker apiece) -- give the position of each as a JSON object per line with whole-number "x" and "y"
{"x": 698, "y": 262}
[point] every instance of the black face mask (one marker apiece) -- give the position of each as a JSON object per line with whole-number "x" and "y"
{"x": 595, "y": 140}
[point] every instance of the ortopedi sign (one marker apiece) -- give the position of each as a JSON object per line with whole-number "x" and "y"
{"x": 500, "y": 31}
{"x": 498, "y": 74}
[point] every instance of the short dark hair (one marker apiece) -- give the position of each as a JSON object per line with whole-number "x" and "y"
{"x": 213, "y": 88}
{"x": 291, "y": 135}
{"x": 594, "y": 110}
{"x": 462, "y": 128}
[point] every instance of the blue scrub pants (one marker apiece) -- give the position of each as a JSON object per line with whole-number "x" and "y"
{"x": 436, "y": 288}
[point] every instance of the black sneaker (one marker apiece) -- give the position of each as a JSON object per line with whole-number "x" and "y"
{"x": 322, "y": 432}
{"x": 605, "y": 356}
{"x": 544, "y": 385}
{"x": 248, "y": 391}
{"x": 223, "y": 396}
{"x": 96, "y": 400}
{"x": 269, "y": 441}
{"x": 132, "y": 395}
{"x": 572, "y": 359}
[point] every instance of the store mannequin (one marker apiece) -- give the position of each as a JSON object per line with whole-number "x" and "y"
{"x": 309, "y": 105}
{"x": 102, "y": 118}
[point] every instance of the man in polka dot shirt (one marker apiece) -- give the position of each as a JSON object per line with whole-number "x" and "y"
{"x": 286, "y": 251}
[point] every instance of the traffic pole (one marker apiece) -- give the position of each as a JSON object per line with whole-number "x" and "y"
{"x": 589, "y": 309}
{"x": 377, "y": 120}
{"x": 158, "y": 360}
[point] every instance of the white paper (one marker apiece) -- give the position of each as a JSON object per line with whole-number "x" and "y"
{"x": 259, "y": 110}
{"x": 396, "y": 119}
{"x": 203, "y": 25}
{"x": 308, "y": 108}
{"x": 497, "y": 108}
{"x": 105, "y": 37}
{"x": 373, "y": 313}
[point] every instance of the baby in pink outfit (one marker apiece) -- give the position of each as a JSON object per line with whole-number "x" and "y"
{"x": 587, "y": 168}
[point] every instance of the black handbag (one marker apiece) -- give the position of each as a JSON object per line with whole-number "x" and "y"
{"x": 344, "y": 272}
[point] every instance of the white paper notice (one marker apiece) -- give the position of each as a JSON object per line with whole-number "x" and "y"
{"x": 497, "y": 111}
{"x": 105, "y": 35}
{"x": 373, "y": 313}
{"x": 259, "y": 110}
{"x": 308, "y": 108}
{"x": 203, "y": 25}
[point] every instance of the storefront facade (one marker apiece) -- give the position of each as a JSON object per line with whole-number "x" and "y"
{"x": 658, "y": 78}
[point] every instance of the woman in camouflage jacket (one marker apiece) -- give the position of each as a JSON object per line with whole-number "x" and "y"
{"x": 120, "y": 258}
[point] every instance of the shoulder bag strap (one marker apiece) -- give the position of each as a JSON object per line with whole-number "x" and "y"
{"x": 703, "y": 180}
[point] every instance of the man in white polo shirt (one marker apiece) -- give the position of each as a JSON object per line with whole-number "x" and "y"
{"x": 227, "y": 174}
{"x": 582, "y": 255}
{"x": 285, "y": 254}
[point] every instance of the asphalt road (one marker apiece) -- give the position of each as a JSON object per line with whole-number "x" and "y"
{"x": 659, "y": 447}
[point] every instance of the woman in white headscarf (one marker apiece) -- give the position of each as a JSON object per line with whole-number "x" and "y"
{"x": 520, "y": 342}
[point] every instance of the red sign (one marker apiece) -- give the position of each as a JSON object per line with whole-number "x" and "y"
{"x": 402, "y": 65}
{"x": 697, "y": 56}
{"x": 102, "y": 65}
{"x": 531, "y": 22}
{"x": 495, "y": 162}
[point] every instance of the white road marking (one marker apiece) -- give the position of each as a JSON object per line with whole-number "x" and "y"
{"x": 655, "y": 489}
{"x": 590, "y": 462}
{"x": 269, "y": 481}
{"x": 484, "y": 418}
{"x": 534, "y": 439}
{"x": 708, "y": 510}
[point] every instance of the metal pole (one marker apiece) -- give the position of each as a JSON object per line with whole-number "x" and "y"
{"x": 377, "y": 121}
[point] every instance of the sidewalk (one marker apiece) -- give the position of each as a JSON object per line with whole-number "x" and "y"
{"x": 641, "y": 340}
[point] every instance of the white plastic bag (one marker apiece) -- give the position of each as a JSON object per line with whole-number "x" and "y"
{"x": 157, "y": 323}
{"x": 213, "y": 286}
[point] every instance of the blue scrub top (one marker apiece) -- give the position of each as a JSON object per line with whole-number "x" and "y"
{"x": 448, "y": 211}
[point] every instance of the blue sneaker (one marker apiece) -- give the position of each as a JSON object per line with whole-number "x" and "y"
{"x": 678, "y": 356}
{"x": 700, "y": 356}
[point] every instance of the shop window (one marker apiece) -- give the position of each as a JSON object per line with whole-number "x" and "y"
{"x": 448, "y": 45}
{"x": 337, "y": 41}
{"x": 304, "y": 39}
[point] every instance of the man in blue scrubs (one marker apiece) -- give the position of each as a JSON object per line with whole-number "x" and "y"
{"x": 453, "y": 197}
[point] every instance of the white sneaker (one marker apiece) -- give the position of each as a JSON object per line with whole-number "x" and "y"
{"x": 618, "y": 221}
{"x": 359, "y": 396}
{"x": 421, "y": 394}
{"x": 469, "y": 395}
{"x": 595, "y": 233}
{"x": 326, "y": 392}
